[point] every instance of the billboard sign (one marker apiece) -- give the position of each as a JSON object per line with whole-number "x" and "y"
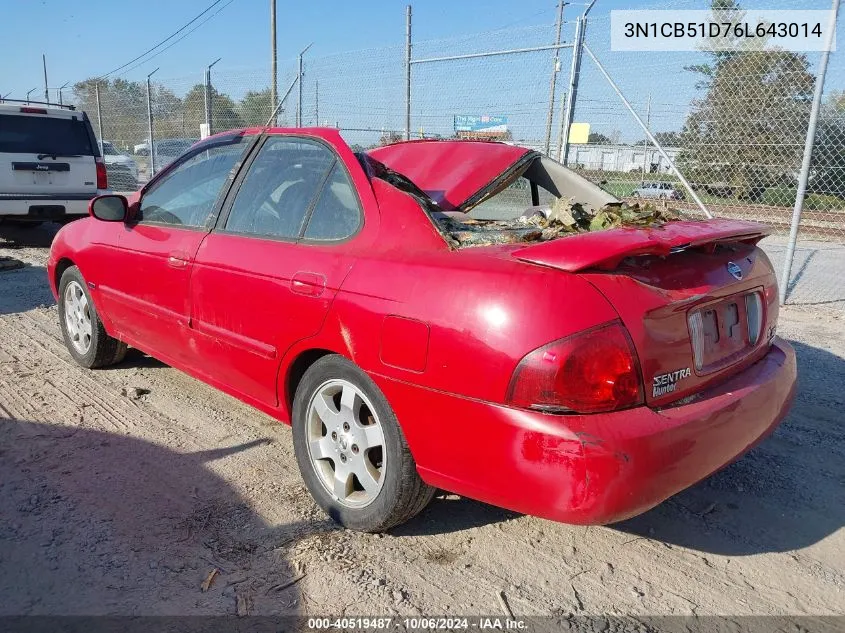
{"x": 484, "y": 124}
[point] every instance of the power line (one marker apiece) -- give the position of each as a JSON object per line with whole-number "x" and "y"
{"x": 141, "y": 63}
{"x": 168, "y": 38}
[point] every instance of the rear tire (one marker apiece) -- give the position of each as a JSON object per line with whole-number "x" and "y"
{"x": 351, "y": 451}
{"x": 83, "y": 332}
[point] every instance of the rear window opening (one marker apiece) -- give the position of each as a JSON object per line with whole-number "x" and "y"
{"x": 536, "y": 201}
{"x": 544, "y": 201}
{"x": 50, "y": 136}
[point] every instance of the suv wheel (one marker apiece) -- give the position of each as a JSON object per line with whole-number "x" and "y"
{"x": 351, "y": 451}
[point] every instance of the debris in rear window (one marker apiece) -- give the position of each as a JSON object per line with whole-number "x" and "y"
{"x": 540, "y": 224}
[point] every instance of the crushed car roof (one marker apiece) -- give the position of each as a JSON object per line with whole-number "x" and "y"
{"x": 450, "y": 172}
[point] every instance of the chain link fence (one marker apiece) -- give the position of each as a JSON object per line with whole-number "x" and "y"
{"x": 734, "y": 125}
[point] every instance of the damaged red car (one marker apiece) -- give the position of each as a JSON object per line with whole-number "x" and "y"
{"x": 434, "y": 315}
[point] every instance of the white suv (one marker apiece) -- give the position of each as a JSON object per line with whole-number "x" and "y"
{"x": 50, "y": 165}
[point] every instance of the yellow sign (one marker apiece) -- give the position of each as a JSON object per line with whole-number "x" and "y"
{"x": 579, "y": 132}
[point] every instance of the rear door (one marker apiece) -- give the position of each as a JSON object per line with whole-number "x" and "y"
{"x": 46, "y": 153}
{"x": 149, "y": 300}
{"x": 265, "y": 278}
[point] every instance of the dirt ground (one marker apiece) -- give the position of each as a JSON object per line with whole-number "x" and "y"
{"x": 122, "y": 489}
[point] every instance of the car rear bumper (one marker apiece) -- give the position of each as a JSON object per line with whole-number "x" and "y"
{"x": 590, "y": 469}
{"x": 40, "y": 209}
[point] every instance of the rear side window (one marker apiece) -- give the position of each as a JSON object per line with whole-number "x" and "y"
{"x": 33, "y": 134}
{"x": 336, "y": 214}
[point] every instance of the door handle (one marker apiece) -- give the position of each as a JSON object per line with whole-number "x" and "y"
{"x": 309, "y": 284}
{"x": 177, "y": 262}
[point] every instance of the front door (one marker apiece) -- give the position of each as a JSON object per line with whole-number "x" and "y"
{"x": 265, "y": 278}
{"x": 150, "y": 292}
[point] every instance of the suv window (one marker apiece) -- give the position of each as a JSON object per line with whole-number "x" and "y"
{"x": 279, "y": 188}
{"x": 186, "y": 196}
{"x": 336, "y": 214}
{"x": 38, "y": 134}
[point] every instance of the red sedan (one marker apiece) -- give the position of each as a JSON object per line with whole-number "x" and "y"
{"x": 413, "y": 342}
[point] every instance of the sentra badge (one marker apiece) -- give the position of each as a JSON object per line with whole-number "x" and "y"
{"x": 668, "y": 382}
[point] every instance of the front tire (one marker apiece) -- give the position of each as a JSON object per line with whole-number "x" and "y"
{"x": 351, "y": 451}
{"x": 85, "y": 337}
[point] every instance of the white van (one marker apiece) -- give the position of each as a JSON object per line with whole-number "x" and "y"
{"x": 50, "y": 165}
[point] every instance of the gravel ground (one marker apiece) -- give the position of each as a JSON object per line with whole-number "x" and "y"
{"x": 121, "y": 490}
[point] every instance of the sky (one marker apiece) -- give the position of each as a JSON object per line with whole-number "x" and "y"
{"x": 85, "y": 38}
{"x": 354, "y": 71}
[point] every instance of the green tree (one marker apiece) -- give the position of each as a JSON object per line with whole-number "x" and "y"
{"x": 254, "y": 109}
{"x": 828, "y": 167}
{"x": 224, "y": 112}
{"x": 666, "y": 139}
{"x": 597, "y": 138}
{"x": 748, "y": 128}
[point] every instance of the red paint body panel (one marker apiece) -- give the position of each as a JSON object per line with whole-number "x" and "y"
{"x": 592, "y": 469}
{"x": 605, "y": 249}
{"x": 441, "y": 332}
{"x": 450, "y": 172}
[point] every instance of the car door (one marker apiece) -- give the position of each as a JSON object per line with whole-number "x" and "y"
{"x": 149, "y": 294}
{"x": 266, "y": 276}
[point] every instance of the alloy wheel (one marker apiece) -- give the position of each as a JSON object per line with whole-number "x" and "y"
{"x": 346, "y": 443}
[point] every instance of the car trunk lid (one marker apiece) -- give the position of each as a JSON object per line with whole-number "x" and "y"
{"x": 455, "y": 174}
{"x": 698, "y": 298}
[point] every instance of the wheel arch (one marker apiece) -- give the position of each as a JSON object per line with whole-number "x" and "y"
{"x": 61, "y": 266}
{"x": 296, "y": 370}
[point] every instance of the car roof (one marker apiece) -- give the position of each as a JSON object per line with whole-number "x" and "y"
{"x": 42, "y": 110}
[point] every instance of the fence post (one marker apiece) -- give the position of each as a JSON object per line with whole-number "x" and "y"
{"x": 274, "y": 85}
{"x": 569, "y": 108}
{"x": 150, "y": 124}
{"x": 408, "y": 73}
{"x": 809, "y": 141}
{"x": 209, "y": 97}
{"x": 553, "y": 81}
{"x": 299, "y": 95}
{"x": 99, "y": 115}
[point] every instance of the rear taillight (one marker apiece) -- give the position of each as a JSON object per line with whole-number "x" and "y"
{"x": 754, "y": 312}
{"x": 102, "y": 177}
{"x": 28, "y": 110}
{"x": 592, "y": 371}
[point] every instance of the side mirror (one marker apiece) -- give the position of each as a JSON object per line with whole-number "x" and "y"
{"x": 109, "y": 208}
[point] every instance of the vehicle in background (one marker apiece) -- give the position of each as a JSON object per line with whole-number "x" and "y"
{"x": 121, "y": 178}
{"x": 113, "y": 156}
{"x": 166, "y": 149}
{"x": 659, "y": 190}
{"x": 50, "y": 163}
{"x": 169, "y": 149}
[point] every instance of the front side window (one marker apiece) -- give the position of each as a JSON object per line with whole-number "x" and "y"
{"x": 186, "y": 196}
{"x": 280, "y": 187}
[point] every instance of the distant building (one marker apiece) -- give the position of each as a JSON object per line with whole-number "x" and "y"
{"x": 624, "y": 158}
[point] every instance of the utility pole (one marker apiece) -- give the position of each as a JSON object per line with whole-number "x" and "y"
{"x": 29, "y": 92}
{"x": 648, "y": 125}
{"x": 553, "y": 82}
{"x": 317, "y": 102}
{"x": 150, "y": 123}
{"x": 274, "y": 88}
{"x": 44, "y": 63}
